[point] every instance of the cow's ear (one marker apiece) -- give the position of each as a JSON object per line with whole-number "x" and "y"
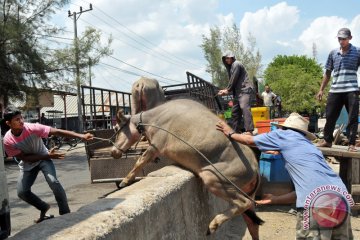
{"x": 120, "y": 117}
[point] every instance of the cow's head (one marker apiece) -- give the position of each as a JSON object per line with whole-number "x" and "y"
{"x": 126, "y": 135}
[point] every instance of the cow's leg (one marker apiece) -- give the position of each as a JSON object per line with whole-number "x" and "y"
{"x": 227, "y": 192}
{"x": 149, "y": 155}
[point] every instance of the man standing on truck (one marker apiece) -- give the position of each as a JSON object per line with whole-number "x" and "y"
{"x": 24, "y": 141}
{"x": 242, "y": 90}
{"x": 344, "y": 90}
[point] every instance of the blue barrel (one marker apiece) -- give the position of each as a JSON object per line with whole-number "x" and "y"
{"x": 272, "y": 167}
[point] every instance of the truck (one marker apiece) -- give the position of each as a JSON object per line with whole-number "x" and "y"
{"x": 100, "y": 107}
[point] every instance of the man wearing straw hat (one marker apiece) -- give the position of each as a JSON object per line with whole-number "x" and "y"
{"x": 322, "y": 201}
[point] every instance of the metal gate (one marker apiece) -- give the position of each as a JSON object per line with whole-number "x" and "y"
{"x": 198, "y": 89}
{"x": 100, "y": 106}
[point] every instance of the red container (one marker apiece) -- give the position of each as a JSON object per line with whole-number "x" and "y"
{"x": 264, "y": 126}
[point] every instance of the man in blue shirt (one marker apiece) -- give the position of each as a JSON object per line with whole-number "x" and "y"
{"x": 344, "y": 91}
{"x": 322, "y": 199}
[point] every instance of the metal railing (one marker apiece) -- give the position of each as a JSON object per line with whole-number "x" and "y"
{"x": 101, "y": 105}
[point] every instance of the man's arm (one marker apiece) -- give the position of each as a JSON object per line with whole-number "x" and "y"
{"x": 324, "y": 83}
{"x": 229, "y": 132}
{"x": 31, "y": 157}
{"x": 287, "y": 198}
{"x": 273, "y": 96}
{"x": 66, "y": 133}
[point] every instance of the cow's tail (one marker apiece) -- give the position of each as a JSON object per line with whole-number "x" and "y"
{"x": 252, "y": 215}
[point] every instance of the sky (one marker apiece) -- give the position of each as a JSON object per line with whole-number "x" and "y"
{"x": 161, "y": 39}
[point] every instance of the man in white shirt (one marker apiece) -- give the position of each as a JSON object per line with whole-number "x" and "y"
{"x": 268, "y": 96}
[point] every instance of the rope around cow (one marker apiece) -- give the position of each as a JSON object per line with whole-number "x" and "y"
{"x": 140, "y": 128}
{"x": 201, "y": 154}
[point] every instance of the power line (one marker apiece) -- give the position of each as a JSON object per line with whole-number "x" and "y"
{"x": 130, "y": 72}
{"x": 105, "y": 66}
{"x": 133, "y": 46}
{"x": 144, "y": 39}
{"x": 44, "y": 35}
{"x": 104, "y": 79}
{"x": 156, "y": 75}
{"x": 59, "y": 42}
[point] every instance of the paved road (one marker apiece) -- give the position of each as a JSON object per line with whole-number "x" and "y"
{"x": 73, "y": 173}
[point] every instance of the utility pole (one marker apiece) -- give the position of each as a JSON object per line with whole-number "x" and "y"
{"x": 76, "y": 16}
{"x": 90, "y": 95}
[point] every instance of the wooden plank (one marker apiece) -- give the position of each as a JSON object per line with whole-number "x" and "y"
{"x": 355, "y": 171}
{"x": 345, "y": 171}
{"x": 355, "y": 189}
{"x": 356, "y": 207}
{"x": 339, "y": 151}
{"x": 355, "y": 178}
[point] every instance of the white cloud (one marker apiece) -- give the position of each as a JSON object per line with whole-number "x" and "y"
{"x": 271, "y": 27}
{"x": 322, "y": 31}
{"x": 173, "y": 27}
{"x": 177, "y": 26}
{"x": 269, "y": 23}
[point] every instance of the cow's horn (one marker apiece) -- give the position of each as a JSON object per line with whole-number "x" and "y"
{"x": 120, "y": 117}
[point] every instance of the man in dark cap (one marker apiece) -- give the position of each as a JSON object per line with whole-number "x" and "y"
{"x": 344, "y": 90}
{"x": 242, "y": 90}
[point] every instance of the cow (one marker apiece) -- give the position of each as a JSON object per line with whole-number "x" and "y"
{"x": 195, "y": 124}
{"x": 146, "y": 93}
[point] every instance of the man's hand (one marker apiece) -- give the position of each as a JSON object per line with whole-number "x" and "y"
{"x": 267, "y": 199}
{"x": 319, "y": 95}
{"x": 223, "y": 92}
{"x": 87, "y": 136}
{"x": 54, "y": 155}
{"x": 272, "y": 152}
{"x": 223, "y": 127}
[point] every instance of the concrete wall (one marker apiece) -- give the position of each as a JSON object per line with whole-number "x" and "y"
{"x": 5, "y": 223}
{"x": 170, "y": 203}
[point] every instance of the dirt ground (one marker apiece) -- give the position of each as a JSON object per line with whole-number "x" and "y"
{"x": 280, "y": 223}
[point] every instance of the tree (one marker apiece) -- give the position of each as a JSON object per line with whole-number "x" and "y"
{"x": 22, "y": 63}
{"x": 297, "y": 80}
{"x": 91, "y": 50}
{"x": 218, "y": 42}
{"x": 26, "y": 62}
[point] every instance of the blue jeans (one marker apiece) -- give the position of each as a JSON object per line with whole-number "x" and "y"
{"x": 26, "y": 180}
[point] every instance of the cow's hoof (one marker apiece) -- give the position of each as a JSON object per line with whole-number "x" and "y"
{"x": 121, "y": 184}
{"x": 209, "y": 232}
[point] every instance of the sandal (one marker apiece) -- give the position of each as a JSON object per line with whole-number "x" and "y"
{"x": 43, "y": 218}
{"x": 325, "y": 144}
{"x": 352, "y": 148}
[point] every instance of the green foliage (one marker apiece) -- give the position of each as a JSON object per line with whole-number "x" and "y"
{"x": 297, "y": 80}
{"x": 90, "y": 49}
{"x": 215, "y": 45}
{"x": 22, "y": 62}
{"x": 27, "y": 63}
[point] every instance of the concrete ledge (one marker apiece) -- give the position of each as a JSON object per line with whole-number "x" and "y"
{"x": 170, "y": 203}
